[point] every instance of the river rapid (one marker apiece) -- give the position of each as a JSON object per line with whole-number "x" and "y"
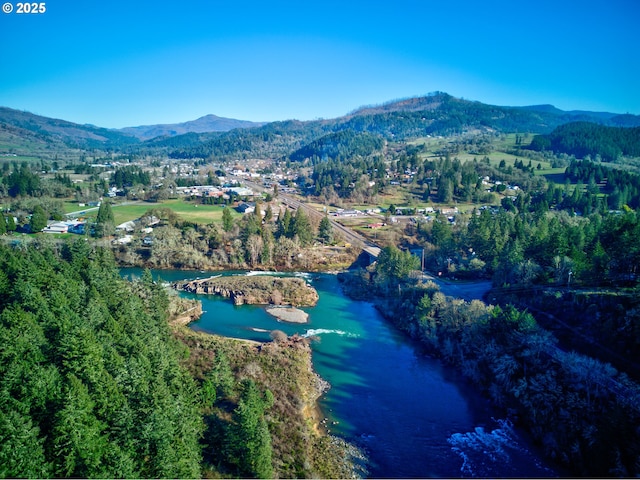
{"x": 412, "y": 416}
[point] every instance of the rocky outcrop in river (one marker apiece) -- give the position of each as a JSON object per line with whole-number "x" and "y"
{"x": 255, "y": 290}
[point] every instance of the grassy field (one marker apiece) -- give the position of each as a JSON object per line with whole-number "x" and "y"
{"x": 187, "y": 211}
{"x": 500, "y": 148}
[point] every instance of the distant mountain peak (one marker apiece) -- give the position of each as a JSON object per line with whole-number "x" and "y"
{"x": 430, "y": 101}
{"x": 204, "y": 124}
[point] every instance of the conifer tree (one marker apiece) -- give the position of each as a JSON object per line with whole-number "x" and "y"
{"x": 227, "y": 219}
{"x": 11, "y": 224}
{"x": 105, "y": 223}
{"x": 325, "y": 231}
{"x": 302, "y": 228}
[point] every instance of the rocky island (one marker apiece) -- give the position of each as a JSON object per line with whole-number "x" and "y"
{"x": 255, "y": 290}
{"x": 288, "y": 314}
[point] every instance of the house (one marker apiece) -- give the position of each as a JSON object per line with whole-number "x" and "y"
{"x": 123, "y": 240}
{"x": 212, "y": 192}
{"x": 56, "y": 227}
{"x": 245, "y": 207}
{"x": 126, "y": 226}
{"x": 449, "y": 211}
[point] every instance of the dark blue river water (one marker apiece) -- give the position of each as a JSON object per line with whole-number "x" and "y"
{"x": 413, "y": 417}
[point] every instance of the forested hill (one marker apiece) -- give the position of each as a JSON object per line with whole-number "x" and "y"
{"x": 17, "y": 126}
{"x": 437, "y": 114}
{"x": 345, "y": 144}
{"x": 208, "y": 123}
{"x": 583, "y": 138}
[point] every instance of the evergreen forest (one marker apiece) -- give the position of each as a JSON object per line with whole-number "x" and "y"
{"x": 96, "y": 383}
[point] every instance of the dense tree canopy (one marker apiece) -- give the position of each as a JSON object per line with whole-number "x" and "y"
{"x": 584, "y": 138}
{"x": 90, "y": 384}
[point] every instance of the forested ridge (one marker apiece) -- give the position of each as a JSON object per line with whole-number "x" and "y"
{"x": 55, "y": 131}
{"x": 437, "y": 114}
{"x": 344, "y": 144}
{"x": 584, "y": 138}
{"x": 434, "y": 114}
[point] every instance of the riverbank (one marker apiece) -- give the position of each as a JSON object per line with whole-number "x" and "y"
{"x": 254, "y": 290}
{"x": 301, "y": 446}
{"x": 580, "y": 412}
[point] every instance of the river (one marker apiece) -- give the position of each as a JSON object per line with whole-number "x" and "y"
{"x": 413, "y": 417}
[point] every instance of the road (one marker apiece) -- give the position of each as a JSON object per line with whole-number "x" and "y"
{"x": 466, "y": 290}
{"x": 93, "y": 209}
{"x": 349, "y": 235}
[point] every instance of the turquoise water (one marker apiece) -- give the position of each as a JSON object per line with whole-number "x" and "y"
{"x": 412, "y": 416}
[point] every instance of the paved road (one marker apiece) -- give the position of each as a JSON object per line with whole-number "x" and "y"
{"x": 465, "y": 290}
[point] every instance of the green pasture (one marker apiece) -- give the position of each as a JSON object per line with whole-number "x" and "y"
{"x": 187, "y": 211}
{"x": 500, "y": 147}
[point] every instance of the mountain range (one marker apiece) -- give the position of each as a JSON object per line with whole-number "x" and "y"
{"x": 24, "y": 133}
{"x": 208, "y": 123}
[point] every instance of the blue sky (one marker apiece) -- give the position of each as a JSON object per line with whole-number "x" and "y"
{"x": 117, "y": 63}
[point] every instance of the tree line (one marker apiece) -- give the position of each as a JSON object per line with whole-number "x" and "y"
{"x": 255, "y": 239}
{"x": 584, "y": 138}
{"x": 582, "y": 412}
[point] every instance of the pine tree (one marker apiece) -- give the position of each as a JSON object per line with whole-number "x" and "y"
{"x": 325, "y": 231}
{"x": 249, "y": 442}
{"x": 284, "y": 225}
{"x": 105, "y": 214}
{"x": 302, "y": 228}
{"x": 227, "y": 219}
{"x": 11, "y": 224}
{"x": 268, "y": 216}
{"x": 105, "y": 223}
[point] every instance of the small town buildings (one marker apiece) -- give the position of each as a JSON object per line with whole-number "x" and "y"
{"x": 245, "y": 207}
{"x": 72, "y": 226}
{"x": 56, "y": 227}
{"x": 126, "y": 226}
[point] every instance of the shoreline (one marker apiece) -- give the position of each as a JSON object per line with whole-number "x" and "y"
{"x": 352, "y": 457}
{"x": 244, "y": 289}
